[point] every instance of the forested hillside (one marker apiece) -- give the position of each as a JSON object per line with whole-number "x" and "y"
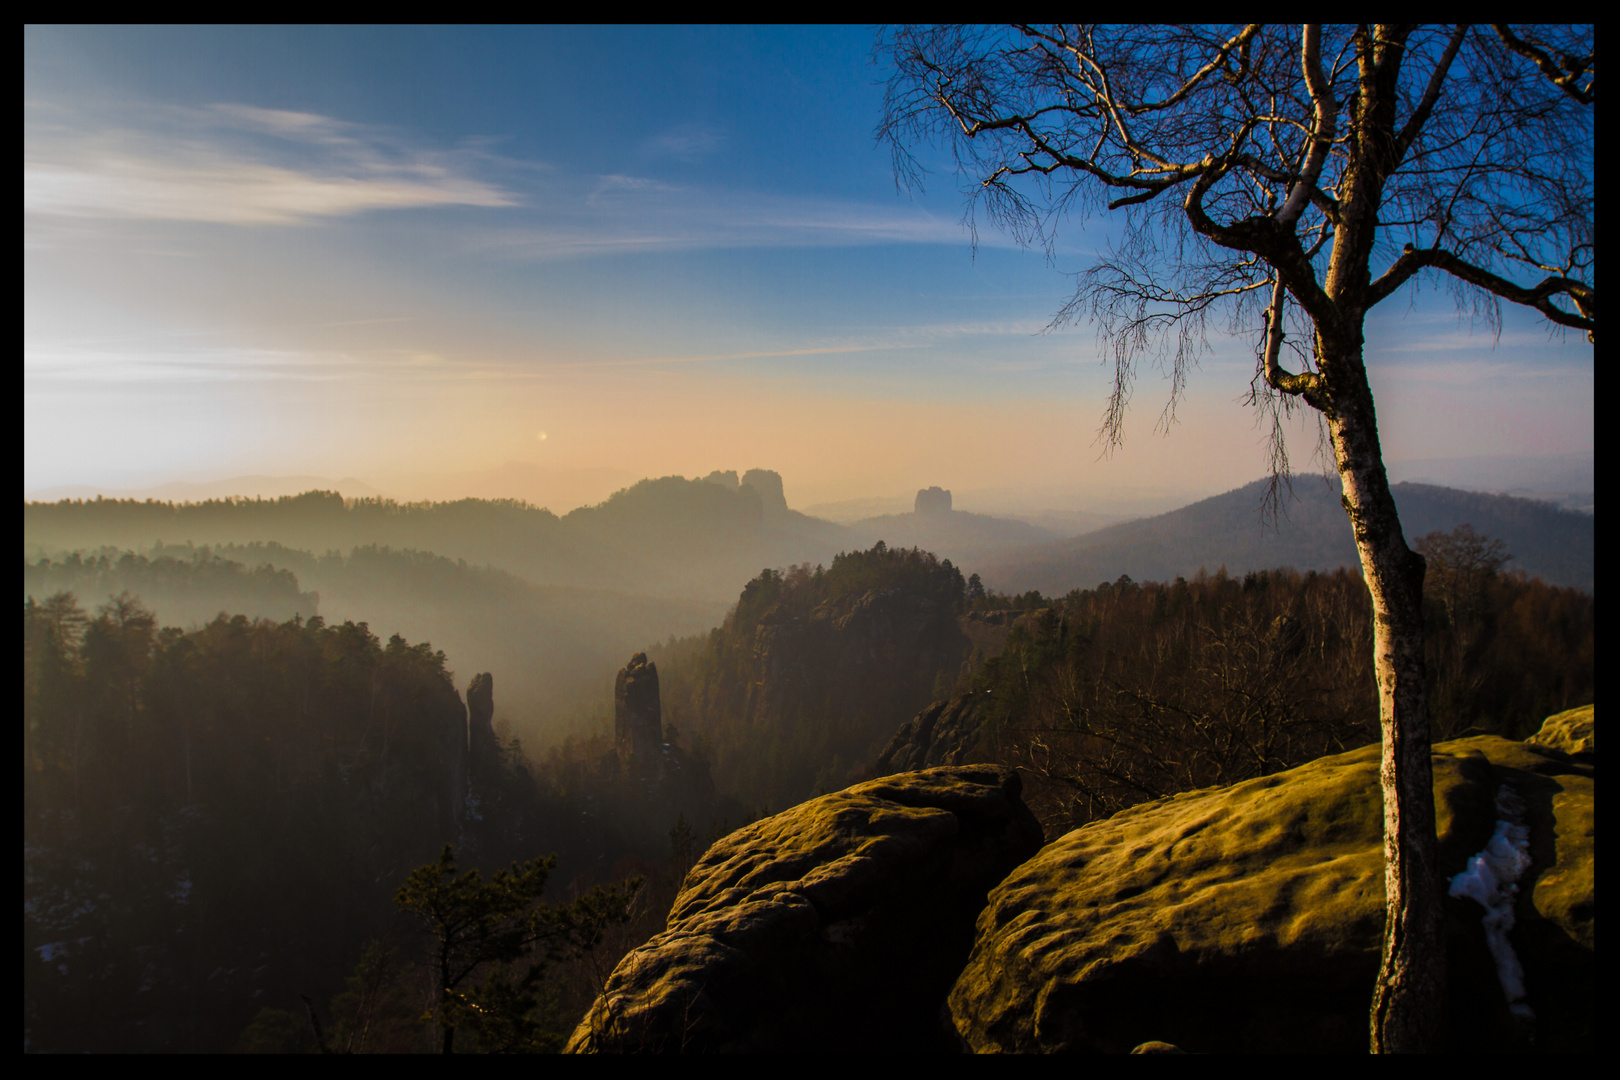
{"x": 1311, "y": 534}
{"x": 814, "y": 668}
{"x": 668, "y": 537}
{"x": 214, "y": 817}
{"x": 182, "y": 587}
{"x": 555, "y": 646}
{"x": 1129, "y": 691}
{"x": 218, "y": 821}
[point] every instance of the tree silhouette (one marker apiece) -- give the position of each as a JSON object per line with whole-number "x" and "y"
{"x": 1263, "y": 172}
{"x": 500, "y": 930}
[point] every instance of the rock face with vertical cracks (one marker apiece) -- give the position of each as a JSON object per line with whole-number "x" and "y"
{"x": 1250, "y": 917}
{"x": 483, "y": 750}
{"x": 945, "y": 733}
{"x": 638, "y": 719}
{"x": 837, "y": 926}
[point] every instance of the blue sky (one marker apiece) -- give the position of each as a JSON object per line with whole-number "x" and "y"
{"x": 414, "y": 255}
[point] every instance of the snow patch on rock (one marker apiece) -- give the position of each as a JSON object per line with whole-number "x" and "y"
{"x": 1491, "y": 878}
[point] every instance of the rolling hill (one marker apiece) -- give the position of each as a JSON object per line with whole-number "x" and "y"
{"x": 1313, "y": 533}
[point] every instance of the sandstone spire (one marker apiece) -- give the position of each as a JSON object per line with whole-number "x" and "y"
{"x": 638, "y": 719}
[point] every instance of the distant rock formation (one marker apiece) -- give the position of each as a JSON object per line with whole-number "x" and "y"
{"x": 638, "y": 720}
{"x": 483, "y": 750}
{"x": 945, "y": 733}
{"x": 933, "y": 501}
{"x": 727, "y": 479}
{"x": 834, "y": 927}
{"x": 769, "y": 486}
{"x": 1250, "y": 917}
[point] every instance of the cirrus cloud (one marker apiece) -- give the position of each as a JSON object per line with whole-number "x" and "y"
{"x": 238, "y": 165}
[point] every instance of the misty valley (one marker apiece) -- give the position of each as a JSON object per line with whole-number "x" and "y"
{"x": 279, "y": 755}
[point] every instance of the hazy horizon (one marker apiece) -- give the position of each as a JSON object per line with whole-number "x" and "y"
{"x": 564, "y": 490}
{"x": 448, "y": 262}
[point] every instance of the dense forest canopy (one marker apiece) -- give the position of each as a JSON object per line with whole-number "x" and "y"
{"x": 218, "y": 820}
{"x": 209, "y": 816}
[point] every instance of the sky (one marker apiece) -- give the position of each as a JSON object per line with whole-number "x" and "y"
{"x": 545, "y": 262}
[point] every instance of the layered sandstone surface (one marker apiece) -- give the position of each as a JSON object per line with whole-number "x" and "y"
{"x": 1249, "y": 918}
{"x": 836, "y": 926}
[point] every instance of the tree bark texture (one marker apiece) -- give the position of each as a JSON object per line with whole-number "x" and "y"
{"x": 1408, "y": 1009}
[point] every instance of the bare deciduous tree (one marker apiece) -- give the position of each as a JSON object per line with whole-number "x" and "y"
{"x": 1290, "y": 178}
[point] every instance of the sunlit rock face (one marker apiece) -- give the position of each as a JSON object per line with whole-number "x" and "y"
{"x": 638, "y": 719}
{"x": 835, "y": 927}
{"x": 1572, "y": 732}
{"x": 1250, "y": 917}
{"x": 933, "y": 501}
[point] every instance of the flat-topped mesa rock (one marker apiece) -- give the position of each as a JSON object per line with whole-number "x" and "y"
{"x": 1250, "y": 917}
{"x": 769, "y": 485}
{"x": 483, "y": 750}
{"x": 638, "y": 720}
{"x": 933, "y": 501}
{"x": 835, "y": 927}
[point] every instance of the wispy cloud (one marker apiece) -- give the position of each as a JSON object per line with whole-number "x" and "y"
{"x": 238, "y": 165}
{"x": 764, "y": 355}
{"x": 687, "y": 142}
{"x": 622, "y": 213}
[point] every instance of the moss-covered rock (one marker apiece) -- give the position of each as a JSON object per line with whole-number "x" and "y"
{"x": 1249, "y": 918}
{"x": 836, "y": 926}
{"x": 1572, "y": 732}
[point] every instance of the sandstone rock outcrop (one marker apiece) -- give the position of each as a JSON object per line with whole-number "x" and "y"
{"x": 834, "y": 927}
{"x": 1249, "y": 918}
{"x": 638, "y": 719}
{"x": 932, "y": 501}
{"x": 726, "y": 479}
{"x": 769, "y": 485}
{"x": 483, "y": 751}
{"x": 877, "y": 654}
{"x": 1571, "y": 732}
{"x": 945, "y": 733}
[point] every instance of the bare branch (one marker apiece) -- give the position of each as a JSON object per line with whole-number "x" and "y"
{"x": 1327, "y": 111}
{"x": 1566, "y": 73}
{"x": 1431, "y": 93}
{"x": 1239, "y": 42}
{"x": 1539, "y": 296}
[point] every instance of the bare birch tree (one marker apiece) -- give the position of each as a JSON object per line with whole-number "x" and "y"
{"x": 1284, "y": 181}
